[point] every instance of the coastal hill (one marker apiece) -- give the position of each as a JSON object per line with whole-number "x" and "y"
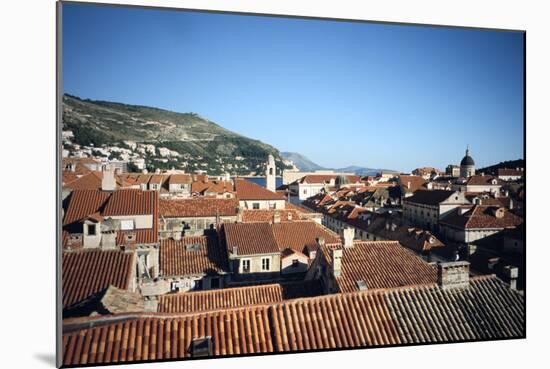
{"x": 196, "y": 139}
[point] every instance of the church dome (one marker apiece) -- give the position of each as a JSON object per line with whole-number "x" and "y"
{"x": 467, "y": 160}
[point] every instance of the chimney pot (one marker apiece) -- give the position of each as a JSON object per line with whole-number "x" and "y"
{"x": 453, "y": 274}
{"x": 349, "y": 235}
{"x": 511, "y": 274}
{"x": 337, "y": 262}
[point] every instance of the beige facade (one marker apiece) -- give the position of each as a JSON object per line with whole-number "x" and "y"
{"x": 262, "y": 204}
{"x": 138, "y": 221}
{"x": 258, "y": 263}
{"x": 174, "y": 227}
{"x": 427, "y": 216}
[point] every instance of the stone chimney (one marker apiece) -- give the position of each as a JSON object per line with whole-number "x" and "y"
{"x": 349, "y": 235}
{"x": 239, "y": 214}
{"x": 511, "y": 276}
{"x": 511, "y": 204}
{"x": 337, "y": 262}
{"x": 453, "y": 274}
{"x": 108, "y": 182}
{"x": 276, "y": 217}
{"x": 320, "y": 241}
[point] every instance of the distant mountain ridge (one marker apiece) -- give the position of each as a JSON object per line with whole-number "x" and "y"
{"x": 306, "y": 165}
{"x": 302, "y": 162}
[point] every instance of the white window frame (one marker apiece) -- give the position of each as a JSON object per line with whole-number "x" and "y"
{"x": 266, "y": 264}
{"x": 246, "y": 261}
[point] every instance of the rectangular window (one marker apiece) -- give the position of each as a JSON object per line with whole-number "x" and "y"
{"x": 265, "y": 264}
{"x": 91, "y": 229}
{"x": 255, "y": 205}
{"x": 245, "y": 265}
{"x": 295, "y": 263}
{"x": 127, "y": 224}
{"x": 272, "y": 205}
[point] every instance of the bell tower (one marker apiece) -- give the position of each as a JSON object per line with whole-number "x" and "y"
{"x": 270, "y": 172}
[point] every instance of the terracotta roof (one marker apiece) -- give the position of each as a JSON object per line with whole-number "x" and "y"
{"x": 83, "y": 203}
{"x": 131, "y": 202}
{"x": 157, "y": 179}
{"x": 233, "y": 332}
{"x": 479, "y": 180}
{"x": 250, "y": 238}
{"x": 266, "y": 215}
{"x": 176, "y": 260}
{"x": 486, "y": 309}
{"x": 67, "y": 177}
{"x": 317, "y": 178}
{"x": 198, "y": 207}
{"x": 217, "y": 187}
{"x": 89, "y": 181}
{"x": 416, "y": 239}
{"x": 416, "y": 182}
{"x": 87, "y": 272}
{"x": 380, "y": 264}
{"x": 141, "y": 236}
{"x": 480, "y": 216}
{"x": 179, "y": 179}
{"x": 263, "y": 238}
{"x": 299, "y": 209}
{"x": 247, "y": 190}
{"x": 429, "y": 197}
{"x": 93, "y": 203}
{"x": 226, "y": 298}
{"x": 509, "y": 172}
{"x": 301, "y": 235}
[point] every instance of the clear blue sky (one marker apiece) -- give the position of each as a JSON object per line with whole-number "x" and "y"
{"x": 384, "y": 96}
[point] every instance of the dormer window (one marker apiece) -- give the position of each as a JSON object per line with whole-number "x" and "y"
{"x": 92, "y": 230}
